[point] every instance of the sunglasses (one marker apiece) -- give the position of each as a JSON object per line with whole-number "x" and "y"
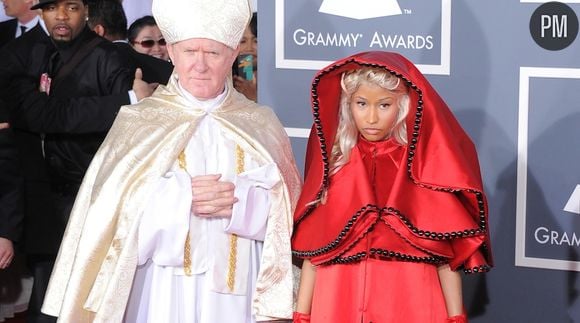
{"x": 150, "y": 42}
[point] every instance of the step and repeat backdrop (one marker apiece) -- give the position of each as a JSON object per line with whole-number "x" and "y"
{"x": 510, "y": 71}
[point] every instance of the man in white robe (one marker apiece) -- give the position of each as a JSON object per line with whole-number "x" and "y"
{"x": 185, "y": 213}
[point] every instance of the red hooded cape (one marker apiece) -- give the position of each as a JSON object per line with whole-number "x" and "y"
{"x": 435, "y": 210}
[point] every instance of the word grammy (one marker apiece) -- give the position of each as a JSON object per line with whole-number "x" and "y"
{"x": 303, "y": 37}
{"x": 546, "y": 236}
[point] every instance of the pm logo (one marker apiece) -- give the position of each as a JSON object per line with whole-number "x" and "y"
{"x": 362, "y": 9}
{"x": 554, "y": 26}
{"x": 310, "y": 34}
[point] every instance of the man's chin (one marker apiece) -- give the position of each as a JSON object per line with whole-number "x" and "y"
{"x": 61, "y": 42}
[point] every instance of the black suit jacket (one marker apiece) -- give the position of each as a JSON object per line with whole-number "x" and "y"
{"x": 25, "y": 57}
{"x": 74, "y": 118}
{"x": 102, "y": 71}
{"x": 154, "y": 69}
{"x": 24, "y": 60}
{"x": 7, "y": 31}
{"x": 11, "y": 188}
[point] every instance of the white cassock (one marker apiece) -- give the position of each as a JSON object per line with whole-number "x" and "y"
{"x": 161, "y": 291}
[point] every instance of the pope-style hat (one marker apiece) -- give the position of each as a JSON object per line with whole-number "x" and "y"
{"x": 220, "y": 20}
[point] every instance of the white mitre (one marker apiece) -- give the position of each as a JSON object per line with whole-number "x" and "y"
{"x": 220, "y": 20}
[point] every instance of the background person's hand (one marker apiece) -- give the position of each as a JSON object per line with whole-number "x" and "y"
{"x": 211, "y": 197}
{"x": 141, "y": 88}
{"x": 6, "y": 253}
{"x": 247, "y": 88}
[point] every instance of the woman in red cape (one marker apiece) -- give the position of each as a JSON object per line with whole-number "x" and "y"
{"x": 392, "y": 208}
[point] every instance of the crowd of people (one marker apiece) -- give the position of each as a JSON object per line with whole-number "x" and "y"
{"x": 142, "y": 182}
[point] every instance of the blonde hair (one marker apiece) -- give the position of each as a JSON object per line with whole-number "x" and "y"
{"x": 347, "y": 132}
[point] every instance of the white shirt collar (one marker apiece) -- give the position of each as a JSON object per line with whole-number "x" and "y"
{"x": 207, "y": 105}
{"x": 43, "y": 25}
{"x": 29, "y": 25}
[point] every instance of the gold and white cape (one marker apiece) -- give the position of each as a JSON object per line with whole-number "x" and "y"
{"x": 94, "y": 270}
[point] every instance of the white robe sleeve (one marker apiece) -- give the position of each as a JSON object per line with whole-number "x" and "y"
{"x": 250, "y": 213}
{"x": 165, "y": 221}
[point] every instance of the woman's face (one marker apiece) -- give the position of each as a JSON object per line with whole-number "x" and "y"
{"x": 249, "y": 45}
{"x": 150, "y": 41}
{"x": 374, "y": 110}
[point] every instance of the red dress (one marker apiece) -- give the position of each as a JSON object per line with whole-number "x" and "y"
{"x": 393, "y": 213}
{"x": 373, "y": 287}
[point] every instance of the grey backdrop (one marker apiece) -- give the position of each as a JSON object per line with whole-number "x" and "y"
{"x": 519, "y": 102}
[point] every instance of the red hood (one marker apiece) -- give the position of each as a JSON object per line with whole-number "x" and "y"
{"x": 436, "y": 141}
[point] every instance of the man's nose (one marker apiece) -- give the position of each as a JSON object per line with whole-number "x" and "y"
{"x": 61, "y": 13}
{"x": 200, "y": 63}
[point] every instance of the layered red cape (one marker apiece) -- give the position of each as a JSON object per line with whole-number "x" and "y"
{"x": 435, "y": 211}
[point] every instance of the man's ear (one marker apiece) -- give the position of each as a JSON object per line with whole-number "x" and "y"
{"x": 99, "y": 30}
{"x": 170, "y": 51}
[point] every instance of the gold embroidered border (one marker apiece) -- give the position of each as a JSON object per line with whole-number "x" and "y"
{"x": 232, "y": 259}
{"x": 234, "y": 238}
{"x": 187, "y": 248}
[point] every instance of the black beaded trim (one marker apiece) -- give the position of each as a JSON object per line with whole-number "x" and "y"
{"x": 478, "y": 269}
{"x": 391, "y": 211}
{"x": 383, "y": 253}
{"x": 484, "y": 250}
{"x": 318, "y": 122}
{"x": 386, "y": 254}
{"x": 370, "y": 228}
{"x": 339, "y": 238}
{"x": 347, "y": 260}
{"x": 375, "y": 252}
{"x": 433, "y": 255}
{"x": 411, "y": 153}
{"x": 431, "y": 234}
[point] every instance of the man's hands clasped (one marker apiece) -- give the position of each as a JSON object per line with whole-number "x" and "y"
{"x": 212, "y": 197}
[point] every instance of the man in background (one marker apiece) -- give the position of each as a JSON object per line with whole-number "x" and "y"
{"x": 11, "y": 217}
{"x": 185, "y": 212}
{"x": 81, "y": 65}
{"x": 107, "y": 19}
{"x": 24, "y": 19}
{"x": 34, "y": 114}
{"x": 36, "y": 206}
